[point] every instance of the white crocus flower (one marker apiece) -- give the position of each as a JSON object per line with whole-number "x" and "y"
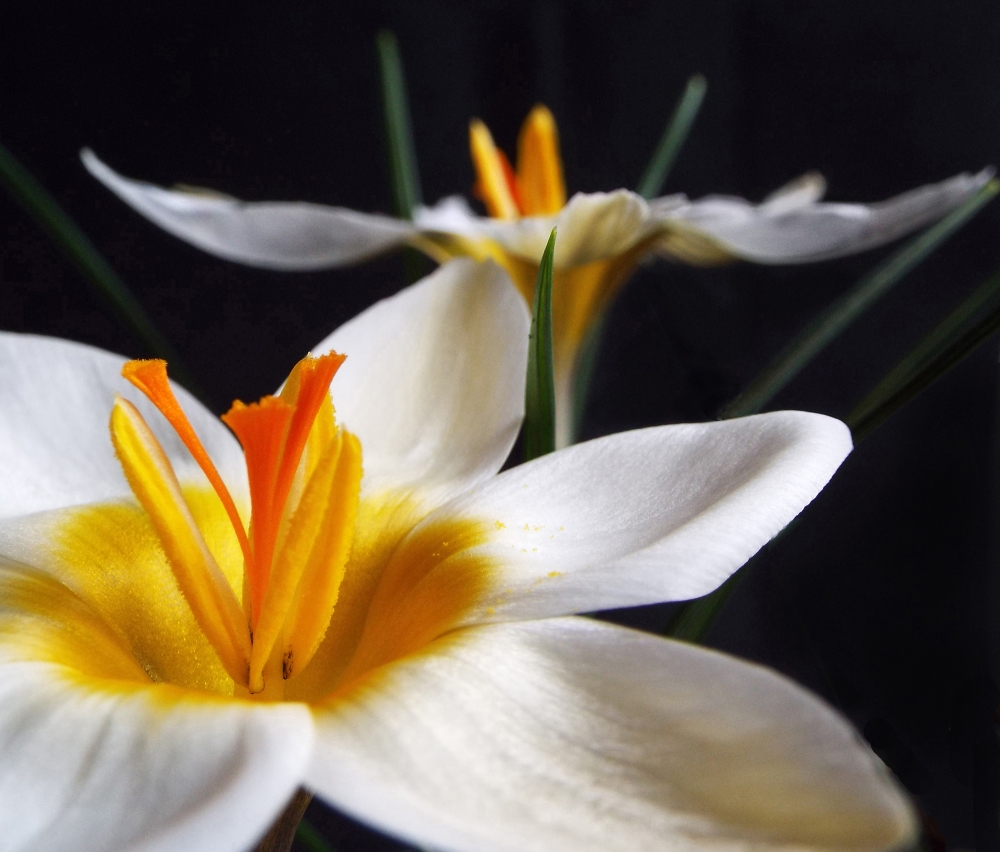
{"x": 358, "y": 603}
{"x": 602, "y": 236}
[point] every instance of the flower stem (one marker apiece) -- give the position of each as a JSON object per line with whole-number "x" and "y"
{"x": 281, "y": 834}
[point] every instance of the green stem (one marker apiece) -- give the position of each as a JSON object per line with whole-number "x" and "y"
{"x": 44, "y": 209}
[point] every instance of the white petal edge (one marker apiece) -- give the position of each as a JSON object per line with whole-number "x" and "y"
{"x": 660, "y": 514}
{"x": 433, "y": 384}
{"x": 570, "y": 734}
{"x": 92, "y": 770}
{"x": 788, "y": 229}
{"x": 284, "y": 235}
{"x": 55, "y": 445}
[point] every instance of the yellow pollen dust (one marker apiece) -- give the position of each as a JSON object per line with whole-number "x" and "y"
{"x": 536, "y": 187}
{"x": 304, "y": 474}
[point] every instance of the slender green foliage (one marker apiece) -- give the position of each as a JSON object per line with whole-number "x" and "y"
{"x": 540, "y": 389}
{"x": 974, "y": 321}
{"x": 940, "y": 351}
{"x": 673, "y": 138}
{"x": 56, "y": 222}
{"x": 828, "y": 325}
{"x": 398, "y": 129}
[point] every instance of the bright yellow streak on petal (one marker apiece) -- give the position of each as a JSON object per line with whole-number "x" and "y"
{"x": 319, "y": 588}
{"x": 540, "y": 184}
{"x": 429, "y": 585}
{"x": 400, "y": 591}
{"x": 202, "y": 582}
{"x": 492, "y": 173}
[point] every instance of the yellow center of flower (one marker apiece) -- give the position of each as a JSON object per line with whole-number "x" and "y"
{"x": 304, "y": 474}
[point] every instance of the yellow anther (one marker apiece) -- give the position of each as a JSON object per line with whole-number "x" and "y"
{"x": 494, "y": 177}
{"x": 541, "y": 189}
{"x": 155, "y": 485}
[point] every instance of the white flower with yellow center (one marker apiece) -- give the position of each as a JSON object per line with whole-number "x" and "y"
{"x": 358, "y": 603}
{"x": 602, "y": 236}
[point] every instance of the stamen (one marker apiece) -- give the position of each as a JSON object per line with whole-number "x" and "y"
{"x": 495, "y": 182}
{"x": 151, "y": 378}
{"x": 320, "y": 535}
{"x": 201, "y": 581}
{"x": 540, "y": 184}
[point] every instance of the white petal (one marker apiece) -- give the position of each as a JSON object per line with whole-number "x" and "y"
{"x": 433, "y": 384}
{"x": 659, "y": 514}
{"x": 93, "y": 768}
{"x": 801, "y": 192}
{"x": 592, "y": 226}
{"x": 789, "y": 230}
{"x": 55, "y": 445}
{"x": 293, "y": 235}
{"x": 569, "y": 734}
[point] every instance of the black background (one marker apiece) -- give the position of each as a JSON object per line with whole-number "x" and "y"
{"x": 881, "y": 598}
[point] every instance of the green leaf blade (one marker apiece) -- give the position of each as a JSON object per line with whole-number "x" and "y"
{"x": 400, "y": 149}
{"x": 823, "y": 330}
{"x": 674, "y": 136}
{"x": 950, "y": 342}
{"x": 61, "y": 228}
{"x": 540, "y": 390}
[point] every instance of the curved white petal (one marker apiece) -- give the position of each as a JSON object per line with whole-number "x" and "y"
{"x": 433, "y": 384}
{"x": 592, "y": 226}
{"x": 570, "y": 734}
{"x": 92, "y": 767}
{"x": 293, "y": 235}
{"x": 790, "y": 229}
{"x": 659, "y": 514}
{"x": 55, "y": 445}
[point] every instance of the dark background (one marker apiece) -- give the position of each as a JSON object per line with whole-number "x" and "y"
{"x": 881, "y": 598}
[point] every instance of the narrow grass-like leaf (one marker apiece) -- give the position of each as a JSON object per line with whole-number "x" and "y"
{"x": 828, "y": 325}
{"x": 956, "y": 337}
{"x": 398, "y": 130}
{"x": 308, "y": 836}
{"x": 673, "y": 137}
{"x": 56, "y": 222}
{"x": 540, "y": 389}
{"x": 950, "y": 342}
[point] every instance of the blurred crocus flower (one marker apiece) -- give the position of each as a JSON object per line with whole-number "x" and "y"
{"x": 360, "y": 604}
{"x": 602, "y": 236}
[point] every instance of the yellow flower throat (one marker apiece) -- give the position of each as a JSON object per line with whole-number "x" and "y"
{"x": 304, "y": 474}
